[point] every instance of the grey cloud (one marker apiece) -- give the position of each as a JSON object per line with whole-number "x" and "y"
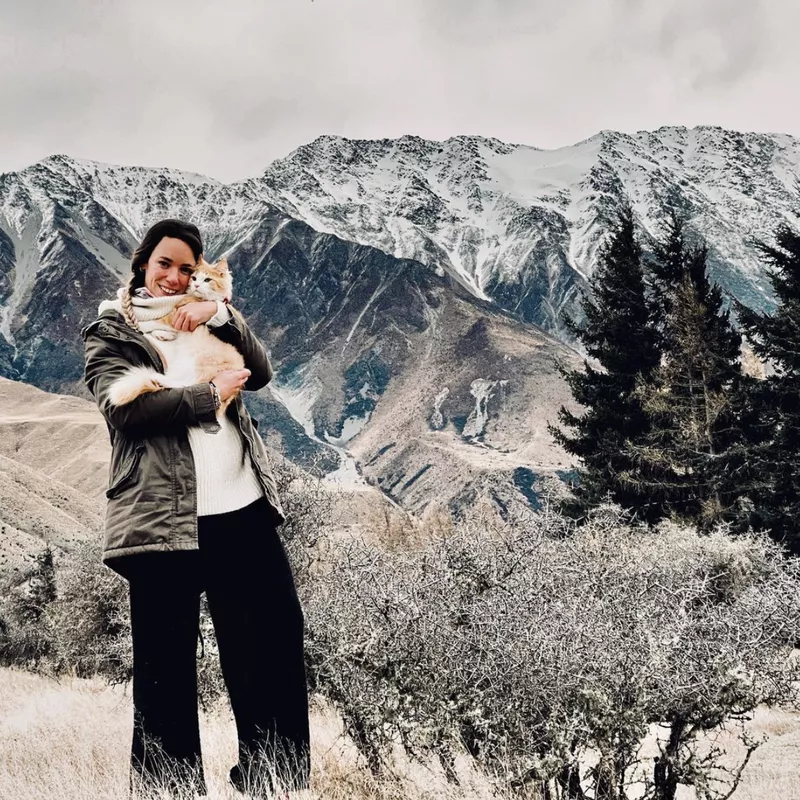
{"x": 224, "y": 89}
{"x": 707, "y": 45}
{"x": 719, "y": 51}
{"x": 477, "y": 20}
{"x": 65, "y": 17}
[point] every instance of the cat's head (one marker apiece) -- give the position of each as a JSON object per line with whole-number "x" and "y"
{"x": 211, "y": 281}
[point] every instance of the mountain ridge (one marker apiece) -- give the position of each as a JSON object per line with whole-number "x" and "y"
{"x": 558, "y": 200}
{"x": 382, "y": 273}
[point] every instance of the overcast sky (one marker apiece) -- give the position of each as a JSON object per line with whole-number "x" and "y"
{"x": 223, "y": 88}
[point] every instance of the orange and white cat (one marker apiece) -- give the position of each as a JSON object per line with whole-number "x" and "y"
{"x": 189, "y": 356}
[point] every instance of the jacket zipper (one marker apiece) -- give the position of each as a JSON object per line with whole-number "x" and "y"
{"x": 251, "y": 448}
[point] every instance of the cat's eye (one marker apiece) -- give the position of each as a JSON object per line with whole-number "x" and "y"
{"x": 207, "y": 280}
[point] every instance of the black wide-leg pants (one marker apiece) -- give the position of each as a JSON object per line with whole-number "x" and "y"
{"x": 242, "y": 566}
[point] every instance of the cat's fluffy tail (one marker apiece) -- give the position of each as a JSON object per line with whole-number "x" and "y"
{"x": 136, "y": 381}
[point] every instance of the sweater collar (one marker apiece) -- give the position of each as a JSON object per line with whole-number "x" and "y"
{"x": 146, "y": 308}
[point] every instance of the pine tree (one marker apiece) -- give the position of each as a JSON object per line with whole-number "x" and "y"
{"x": 619, "y": 334}
{"x": 683, "y": 463}
{"x": 772, "y": 465}
{"x": 667, "y": 266}
{"x": 41, "y": 586}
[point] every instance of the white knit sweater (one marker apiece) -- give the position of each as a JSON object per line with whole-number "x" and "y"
{"x": 225, "y": 477}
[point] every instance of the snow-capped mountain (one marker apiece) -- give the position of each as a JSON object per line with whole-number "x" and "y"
{"x": 403, "y": 286}
{"x": 384, "y": 368}
{"x": 520, "y": 226}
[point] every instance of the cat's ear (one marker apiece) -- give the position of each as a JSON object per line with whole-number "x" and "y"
{"x": 222, "y": 265}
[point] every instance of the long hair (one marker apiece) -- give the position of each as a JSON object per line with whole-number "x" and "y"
{"x": 175, "y": 229}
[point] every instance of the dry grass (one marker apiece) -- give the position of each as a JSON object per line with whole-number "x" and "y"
{"x": 774, "y": 771}
{"x": 70, "y": 740}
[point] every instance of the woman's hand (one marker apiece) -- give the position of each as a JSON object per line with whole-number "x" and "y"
{"x": 229, "y": 381}
{"x": 188, "y": 317}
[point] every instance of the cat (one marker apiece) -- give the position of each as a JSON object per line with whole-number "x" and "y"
{"x": 208, "y": 282}
{"x": 189, "y": 356}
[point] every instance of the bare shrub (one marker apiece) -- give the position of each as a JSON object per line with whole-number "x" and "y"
{"x": 89, "y": 618}
{"x": 548, "y": 655}
{"x": 308, "y": 505}
{"x": 25, "y": 635}
{"x": 547, "y": 652}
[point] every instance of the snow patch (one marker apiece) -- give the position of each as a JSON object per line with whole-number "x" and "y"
{"x": 351, "y": 427}
{"x": 26, "y": 248}
{"x": 437, "y": 418}
{"x": 346, "y": 476}
{"x": 481, "y": 389}
{"x": 298, "y": 397}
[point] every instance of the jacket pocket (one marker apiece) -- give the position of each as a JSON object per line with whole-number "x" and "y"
{"x": 127, "y": 474}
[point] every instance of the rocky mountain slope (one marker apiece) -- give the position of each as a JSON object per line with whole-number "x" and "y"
{"x": 410, "y": 291}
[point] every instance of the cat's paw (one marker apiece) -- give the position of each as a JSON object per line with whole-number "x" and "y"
{"x": 165, "y": 336}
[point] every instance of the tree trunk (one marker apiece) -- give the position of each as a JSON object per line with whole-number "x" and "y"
{"x": 570, "y": 782}
{"x": 665, "y": 776}
{"x": 605, "y": 783}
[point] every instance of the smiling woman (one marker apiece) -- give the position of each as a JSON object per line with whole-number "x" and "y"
{"x": 193, "y": 507}
{"x": 169, "y": 267}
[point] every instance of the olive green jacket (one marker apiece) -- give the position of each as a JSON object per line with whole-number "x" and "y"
{"x": 152, "y": 498}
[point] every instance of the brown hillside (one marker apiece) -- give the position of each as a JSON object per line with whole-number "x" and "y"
{"x": 53, "y": 469}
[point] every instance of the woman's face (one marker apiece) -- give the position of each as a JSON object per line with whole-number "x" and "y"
{"x": 169, "y": 268}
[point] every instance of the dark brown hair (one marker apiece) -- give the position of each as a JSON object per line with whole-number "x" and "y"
{"x": 175, "y": 229}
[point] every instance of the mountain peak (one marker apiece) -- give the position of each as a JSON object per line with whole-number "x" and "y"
{"x": 84, "y": 168}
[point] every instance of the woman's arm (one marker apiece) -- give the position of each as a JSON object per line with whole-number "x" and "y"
{"x": 237, "y": 332}
{"x": 151, "y": 413}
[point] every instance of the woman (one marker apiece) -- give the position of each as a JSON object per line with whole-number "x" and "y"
{"x": 192, "y": 507}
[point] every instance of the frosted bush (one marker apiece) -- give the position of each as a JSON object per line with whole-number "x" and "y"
{"x": 541, "y": 649}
